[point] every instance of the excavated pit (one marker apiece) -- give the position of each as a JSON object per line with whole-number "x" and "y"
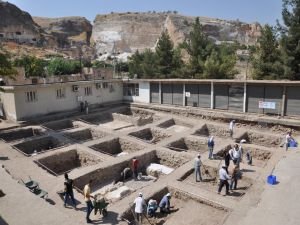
{"x": 262, "y": 139}
{"x": 150, "y": 135}
{"x": 39, "y": 145}
{"x": 85, "y": 135}
{"x": 21, "y": 133}
{"x": 105, "y": 176}
{"x": 210, "y": 177}
{"x": 64, "y": 161}
{"x": 187, "y": 210}
{"x": 212, "y": 130}
{"x": 189, "y": 144}
{"x": 175, "y": 125}
{"x": 117, "y": 147}
{"x": 63, "y": 125}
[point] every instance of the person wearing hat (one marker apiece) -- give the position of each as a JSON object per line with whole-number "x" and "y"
{"x": 164, "y": 204}
{"x": 236, "y": 154}
{"x": 224, "y": 177}
{"x": 210, "y": 144}
{"x": 140, "y": 204}
{"x": 231, "y": 126}
{"x": 197, "y": 166}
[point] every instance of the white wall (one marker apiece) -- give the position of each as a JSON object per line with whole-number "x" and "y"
{"x": 9, "y": 105}
{"x": 144, "y": 94}
{"x": 48, "y": 102}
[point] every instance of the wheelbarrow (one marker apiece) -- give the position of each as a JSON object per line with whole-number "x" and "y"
{"x": 101, "y": 205}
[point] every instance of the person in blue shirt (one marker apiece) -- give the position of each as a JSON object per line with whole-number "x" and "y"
{"x": 211, "y": 144}
{"x": 164, "y": 204}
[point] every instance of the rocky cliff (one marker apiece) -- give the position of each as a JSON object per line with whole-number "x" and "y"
{"x": 67, "y": 31}
{"x": 128, "y": 32}
{"x": 18, "y": 25}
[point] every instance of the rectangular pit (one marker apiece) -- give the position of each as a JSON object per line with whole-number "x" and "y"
{"x": 208, "y": 130}
{"x": 64, "y": 161}
{"x": 63, "y": 125}
{"x": 21, "y": 133}
{"x": 210, "y": 177}
{"x": 189, "y": 144}
{"x": 85, "y": 135}
{"x": 263, "y": 139}
{"x": 39, "y": 145}
{"x": 175, "y": 125}
{"x": 104, "y": 176}
{"x": 117, "y": 146}
{"x": 187, "y": 210}
{"x": 150, "y": 135}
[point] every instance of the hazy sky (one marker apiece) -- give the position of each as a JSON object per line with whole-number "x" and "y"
{"x": 263, "y": 11}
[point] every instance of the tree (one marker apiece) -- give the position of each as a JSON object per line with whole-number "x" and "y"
{"x": 32, "y": 65}
{"x": 267, "y": 59}
{"x": 6, "y": 67}
{"x": 290, "y": 38}
{"x": 165, "y": 54}
{"x": 60, "y": 66}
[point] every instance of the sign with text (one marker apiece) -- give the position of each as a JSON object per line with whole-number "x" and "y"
{"x": 266, "y": 105}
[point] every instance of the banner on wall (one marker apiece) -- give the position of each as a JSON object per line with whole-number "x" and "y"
{"x": 266, "y": 105}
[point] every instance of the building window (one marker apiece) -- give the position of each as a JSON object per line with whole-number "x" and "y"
{"x": 87, "y": 91}
{"x": 131, "y": 90}
{"x": 104, "y": 85}
{"x": 60, "y": 93}
{"x": 31, "y": 96}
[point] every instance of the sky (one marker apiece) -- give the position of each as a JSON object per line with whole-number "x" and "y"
{"x": 262, "y": 11}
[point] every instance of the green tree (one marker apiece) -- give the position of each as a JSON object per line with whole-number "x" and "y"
{"x": 143, "y": 65}
{"x": 267, "y": 58}
{"x": 290, "y": 38}
{"x": 199, "y": 48}
{"x": 33, "y": 66}
{"x": 165, "y": 53}
{"x": 6, "y": 66}
{"x": 60, "y": 66}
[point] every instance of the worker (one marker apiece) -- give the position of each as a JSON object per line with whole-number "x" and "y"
{"x": 164, "y": 204}
{"x": 197, "y": 166}
{"x": 235, "y": 175}
{"x": 140, "y": 204}
{"x": 211, "y": 145}
{"x": 224, "y": 177}
{"x": 86, "y": 106}
{"x": 231, "y": 126}
{"x": 152, "y": 207}
{"x": 81, "y": 106}
{"x": 69, "y": 190}
{"x": 87, "y": 198}
{"x": 236, "y": 154}
{"x": 249, "y": 157}
{"x": 135, "y": 166}
{"x": 227, "y": 158}
{"x": 288, "y": 139}
{"x": 124, "y": 175}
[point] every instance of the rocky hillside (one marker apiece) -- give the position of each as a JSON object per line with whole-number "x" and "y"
{"x": 128, "y": 32}
{"x": 18, "y": 25}
{"x": 67, "y": 30}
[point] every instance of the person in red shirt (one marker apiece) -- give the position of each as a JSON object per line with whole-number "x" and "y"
{"x": 135, "y": 165}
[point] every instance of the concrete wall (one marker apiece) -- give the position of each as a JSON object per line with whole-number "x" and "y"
{"x": 144, "y": 94}
{"x": 47, "y": 101}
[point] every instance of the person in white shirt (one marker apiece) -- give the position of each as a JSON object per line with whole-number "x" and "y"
{"x": 231, "y": 126}
{"x": 288, "y": 139}
{"x": 224, "y": 177}
{"x": 236, "y": 154}
{"x": 197, "y": 166}
{"x": 140, "y": 205}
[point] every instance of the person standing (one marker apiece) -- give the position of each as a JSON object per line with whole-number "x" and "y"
{"x": 224, "y": 177}
{"x": 165, "y": 204}
{"x": 227, "y": 158}
{"x": 197, "y": 166}
{"x": 236, "y": 154}
{"x": 81, "y": 106}
{"x": 69, "y": 190}
{"x": 135, "y": 165}
{"x": 140, "y": 204}
{"x": 211, "y": 144}
{"x": 235, "y": 175}
{"x": 231, "y": 126}
{"x": 87, "y": 199}
{"x": 86, "y": 106}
